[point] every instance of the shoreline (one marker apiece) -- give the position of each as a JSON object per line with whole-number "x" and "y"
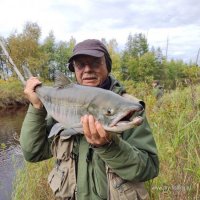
{"x": 12, "y": 104}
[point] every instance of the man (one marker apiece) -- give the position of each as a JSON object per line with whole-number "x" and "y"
{"x": 158, "y": 90}
{"x": 94, "y": 165}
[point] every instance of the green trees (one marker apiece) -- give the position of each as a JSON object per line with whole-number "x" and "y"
{"x": 57, "y": 54}
{"x": 140, "y": 64}
{"x": 42, "y": 58}
{"x": 24, "y": 47}
{"x": 137, "y": 62}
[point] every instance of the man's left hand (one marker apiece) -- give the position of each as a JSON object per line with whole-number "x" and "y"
{"x": 94, "y": 131}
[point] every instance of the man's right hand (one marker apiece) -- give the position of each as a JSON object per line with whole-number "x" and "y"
{"x": 30, "y": 93}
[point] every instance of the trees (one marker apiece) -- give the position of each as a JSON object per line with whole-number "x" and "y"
{"x": 41, "y": 58}
{"x": 136, "y": 45}
{"x": 135, "y": 63}
{"x": 112, "y": 47}
{"x": 24, "y": 48}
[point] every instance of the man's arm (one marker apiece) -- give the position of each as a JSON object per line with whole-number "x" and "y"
{"x": 34, "y": 135}
{"x": 133, "y": 157}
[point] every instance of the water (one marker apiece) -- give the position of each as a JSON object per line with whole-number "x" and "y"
{"x": 11, "y": 157}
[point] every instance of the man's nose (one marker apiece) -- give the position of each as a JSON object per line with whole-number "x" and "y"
{"x": 87, "y": 67}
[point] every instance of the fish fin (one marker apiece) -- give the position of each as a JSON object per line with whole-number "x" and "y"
{"x": 27, "y": 72}
{"x": 72, "y": 131}
{"x": 55, "y": 129}
{"x": 61, "y": 80}
{"x": 59, "y": 128}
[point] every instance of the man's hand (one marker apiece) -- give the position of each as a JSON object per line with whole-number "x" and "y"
{"x": 30, "y": 94}
{"x": 94, "y": 131}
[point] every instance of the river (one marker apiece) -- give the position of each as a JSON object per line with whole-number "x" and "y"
{"x": 11, "y": 157}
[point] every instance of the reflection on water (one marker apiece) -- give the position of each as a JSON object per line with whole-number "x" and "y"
{"x": 10, "y": 152}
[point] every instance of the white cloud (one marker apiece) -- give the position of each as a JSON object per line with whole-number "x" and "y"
{"x": 158, "y": 19}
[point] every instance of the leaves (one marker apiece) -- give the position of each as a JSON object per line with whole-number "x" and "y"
{"x": 136, "y": 62}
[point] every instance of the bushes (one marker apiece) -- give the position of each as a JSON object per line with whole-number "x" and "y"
{"x": 11, "y": 94}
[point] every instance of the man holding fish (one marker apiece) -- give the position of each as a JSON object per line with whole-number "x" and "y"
{"x": 109, "y": 152}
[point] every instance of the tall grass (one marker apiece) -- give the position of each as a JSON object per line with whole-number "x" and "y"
{"x": 31, "y": 182}
{"x": 176, "y": 127}
{"x": 175, "y": 121}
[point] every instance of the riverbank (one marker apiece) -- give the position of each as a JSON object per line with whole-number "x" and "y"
{"x": 11, "y": 94}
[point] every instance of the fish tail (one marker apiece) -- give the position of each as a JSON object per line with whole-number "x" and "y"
{"x": 5, "y": 52}
{"x": 27, "y": 72}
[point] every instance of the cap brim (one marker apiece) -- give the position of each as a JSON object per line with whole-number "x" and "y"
{"x": 95, "y": 53}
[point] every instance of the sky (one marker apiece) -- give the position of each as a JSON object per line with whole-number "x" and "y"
{"x": 175, "y": 21}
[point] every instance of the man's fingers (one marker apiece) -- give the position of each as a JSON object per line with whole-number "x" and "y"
{"x": 85, "y": 123}
{"x": 94, "y": 131}
{"x": 106, "y": 137}
{"x": 30, "y": 94}
{"x": 100, "y": 129}
{"x": 31, "y": 83}
{"x": 92, "y": 127}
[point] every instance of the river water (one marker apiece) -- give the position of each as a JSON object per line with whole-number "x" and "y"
{"x": 11, "y": 157}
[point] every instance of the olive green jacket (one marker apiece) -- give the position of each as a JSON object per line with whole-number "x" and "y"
{"x": 132, "y": 156}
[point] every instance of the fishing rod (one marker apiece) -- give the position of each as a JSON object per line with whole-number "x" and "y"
{"x": 12, "y": 63}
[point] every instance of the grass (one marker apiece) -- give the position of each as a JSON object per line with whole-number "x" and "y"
{"x": 31, "y": 182}
{"x": 11, "y": 94}
{"x": 175, "y": 122}
{"x": 176, "y": 127}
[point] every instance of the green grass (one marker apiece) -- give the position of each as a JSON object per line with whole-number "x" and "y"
{"x": 11, "y": 94}
{"x": 31, "y": 182}
{"x": 175, "y": 122}
{"x": 176, "y": 127}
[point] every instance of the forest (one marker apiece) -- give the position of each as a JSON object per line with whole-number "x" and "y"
{"x": 137, "y": 62}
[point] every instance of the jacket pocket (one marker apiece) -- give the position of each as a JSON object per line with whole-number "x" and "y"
{"x": 56, "y": 178}
{"x": 126, "y": 190}
{"x": 62, "y": 179}
{"x": 61, "y": 182}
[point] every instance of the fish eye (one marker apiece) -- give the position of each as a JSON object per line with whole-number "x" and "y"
{"x": 109, "y": 111}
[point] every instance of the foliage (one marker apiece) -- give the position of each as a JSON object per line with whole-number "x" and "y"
{"x": 35, "y": 174}
{"x": 136, "y": 45}
{"x": 11, "y": 94}
{"x": 136, "y": 62}
{"x": 24, "y": 48}
{"x": 176, "y": 124}
{"x": 112, "y": 47}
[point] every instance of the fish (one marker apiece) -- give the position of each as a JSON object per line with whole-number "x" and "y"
{"x": 66, "y": 102}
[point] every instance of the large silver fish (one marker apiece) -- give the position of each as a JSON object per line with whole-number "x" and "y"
{"x": 67, "y": 102}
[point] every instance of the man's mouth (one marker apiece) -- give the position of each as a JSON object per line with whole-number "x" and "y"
{"x": 88, "y": 78}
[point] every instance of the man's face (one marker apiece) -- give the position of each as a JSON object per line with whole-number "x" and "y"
{"x": 89, "y": 70}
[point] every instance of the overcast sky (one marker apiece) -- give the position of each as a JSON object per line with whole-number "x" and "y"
{"x": 177, "y": 20}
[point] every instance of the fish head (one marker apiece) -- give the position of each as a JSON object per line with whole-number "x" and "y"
{"x": 117, "y": 113}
